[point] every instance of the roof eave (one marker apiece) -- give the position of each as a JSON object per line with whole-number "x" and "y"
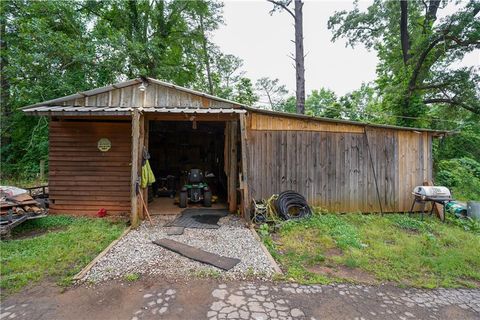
{"x": 77, "y": 113}
{"x": 118, "y": 111}
{"x": 363, "y": 124}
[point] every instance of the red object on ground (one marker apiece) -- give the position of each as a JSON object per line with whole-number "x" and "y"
{"x": 102, "y": 213}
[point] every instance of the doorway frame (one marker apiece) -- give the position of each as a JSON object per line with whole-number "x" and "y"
{"x": 140, "y": 137}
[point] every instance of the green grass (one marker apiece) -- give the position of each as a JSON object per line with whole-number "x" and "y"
{"x": 58, "y": 254}
{"x": 131, "y": 277}
{"x": 207, "y": 273}
{"x": 393, "y": 248}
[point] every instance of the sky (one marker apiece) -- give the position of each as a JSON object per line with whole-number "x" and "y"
{"x": 264, "y": 42}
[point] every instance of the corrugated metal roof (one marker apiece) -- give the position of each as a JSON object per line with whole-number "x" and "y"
{"x": 53, "y": 107}
{"x": 193, "y": 110}
{"x": 69, "y": 110}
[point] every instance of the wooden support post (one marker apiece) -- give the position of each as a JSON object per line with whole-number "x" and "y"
{"x": 232, "y": 170}
{"x": 141, "y": 144}
{"x": 246, "y": 195}
{"x": 134, "y": 218}
{"x": 146, "y": 144}
{"x": 42, "y": 170}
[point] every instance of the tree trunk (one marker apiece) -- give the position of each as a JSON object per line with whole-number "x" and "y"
{"x": 272, "y": 106}
{"x": 404, "y": 38}
{"x": 206, "y": 57}
{"x": 299, "y": 57}
{"x": 432, "y": 10}
{"x": 5, "y": 109}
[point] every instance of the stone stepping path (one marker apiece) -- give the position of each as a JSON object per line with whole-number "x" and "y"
{"x": 156, "y": 304}
{"x": 212, "y": 300}
{"x": 255, "y": 302}
{"x": 287, "y": 302}
{"x": 15, "y": 311}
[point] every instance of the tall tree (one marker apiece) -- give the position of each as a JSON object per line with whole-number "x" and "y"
{"x": 161, "y": 39}
{"x": 417, "y": 51}
{"x": 297, "y": 15}
{"x": 208, "y": 16}
{"x": 46, "y": 53}
{"x": 363, "y": 104}
{"x": 244, "y": 92}
{"x": 206, "y": 56}
{"x": 226, "y": 72}
{"x": 54, "y": 48}
{"x": 272, "y": 90}
{"x": 323, "y": 102}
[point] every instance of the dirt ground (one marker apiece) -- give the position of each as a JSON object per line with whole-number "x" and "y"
{"x": 155, "y": 298}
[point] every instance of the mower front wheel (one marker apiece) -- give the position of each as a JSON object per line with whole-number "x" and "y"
{"x": 207, "y": 199}
{"x": 183, "y": 199}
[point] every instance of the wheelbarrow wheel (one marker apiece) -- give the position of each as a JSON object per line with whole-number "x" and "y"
{"x": 183, "y": 199}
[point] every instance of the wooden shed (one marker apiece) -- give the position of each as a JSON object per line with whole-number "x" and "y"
{"x": 98, "y": 137}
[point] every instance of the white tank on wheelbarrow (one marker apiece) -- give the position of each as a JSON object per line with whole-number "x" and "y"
{"x": 432, "y": 193}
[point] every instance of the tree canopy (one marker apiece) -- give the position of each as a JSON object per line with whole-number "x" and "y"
{"x": 417, "y": 52}
{"x": 273, "y": 92}
{"x": 54, "y": 48}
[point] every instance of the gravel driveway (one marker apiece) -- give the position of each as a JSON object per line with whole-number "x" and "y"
{"x": 136, "y": 254}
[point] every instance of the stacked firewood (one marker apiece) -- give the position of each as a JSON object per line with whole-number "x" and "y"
{"x": 21, "y": 204}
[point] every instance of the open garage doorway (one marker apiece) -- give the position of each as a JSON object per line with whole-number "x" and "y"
{"x": 178, "y": 148}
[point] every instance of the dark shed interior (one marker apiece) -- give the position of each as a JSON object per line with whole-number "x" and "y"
{"x": 175, "y": 147}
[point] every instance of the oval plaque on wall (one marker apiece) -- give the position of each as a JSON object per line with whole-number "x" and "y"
{"x": 104, "y": 145}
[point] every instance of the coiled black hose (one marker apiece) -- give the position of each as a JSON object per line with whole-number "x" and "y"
{"x": 292, "y": 205}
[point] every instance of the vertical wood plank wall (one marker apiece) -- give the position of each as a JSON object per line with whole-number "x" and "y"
{"x": 82, "y": 179}
{"x": 329, "y": 163}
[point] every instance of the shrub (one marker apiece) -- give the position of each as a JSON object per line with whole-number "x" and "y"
{"x": 462, "y": 176}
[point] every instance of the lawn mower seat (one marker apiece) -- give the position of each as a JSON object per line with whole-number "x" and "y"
{"x": 195, "y": 176}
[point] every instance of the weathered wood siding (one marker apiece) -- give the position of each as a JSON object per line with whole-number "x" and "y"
{"x": 155, "y": 95}
{"x": 276, "y": 123}
{"x": 330, "y": 163}
{"x": 82, "y": 179}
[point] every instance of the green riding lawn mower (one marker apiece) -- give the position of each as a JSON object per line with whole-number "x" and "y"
{"x": 196, "y": 190}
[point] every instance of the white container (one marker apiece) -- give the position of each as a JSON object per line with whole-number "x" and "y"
{"x": 432, "y": 192}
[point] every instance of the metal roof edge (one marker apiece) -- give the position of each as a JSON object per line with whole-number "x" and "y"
{"x": 75, "y": 113}
{"x": 118, "y": 110}
{"x": 358, "y": 123}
